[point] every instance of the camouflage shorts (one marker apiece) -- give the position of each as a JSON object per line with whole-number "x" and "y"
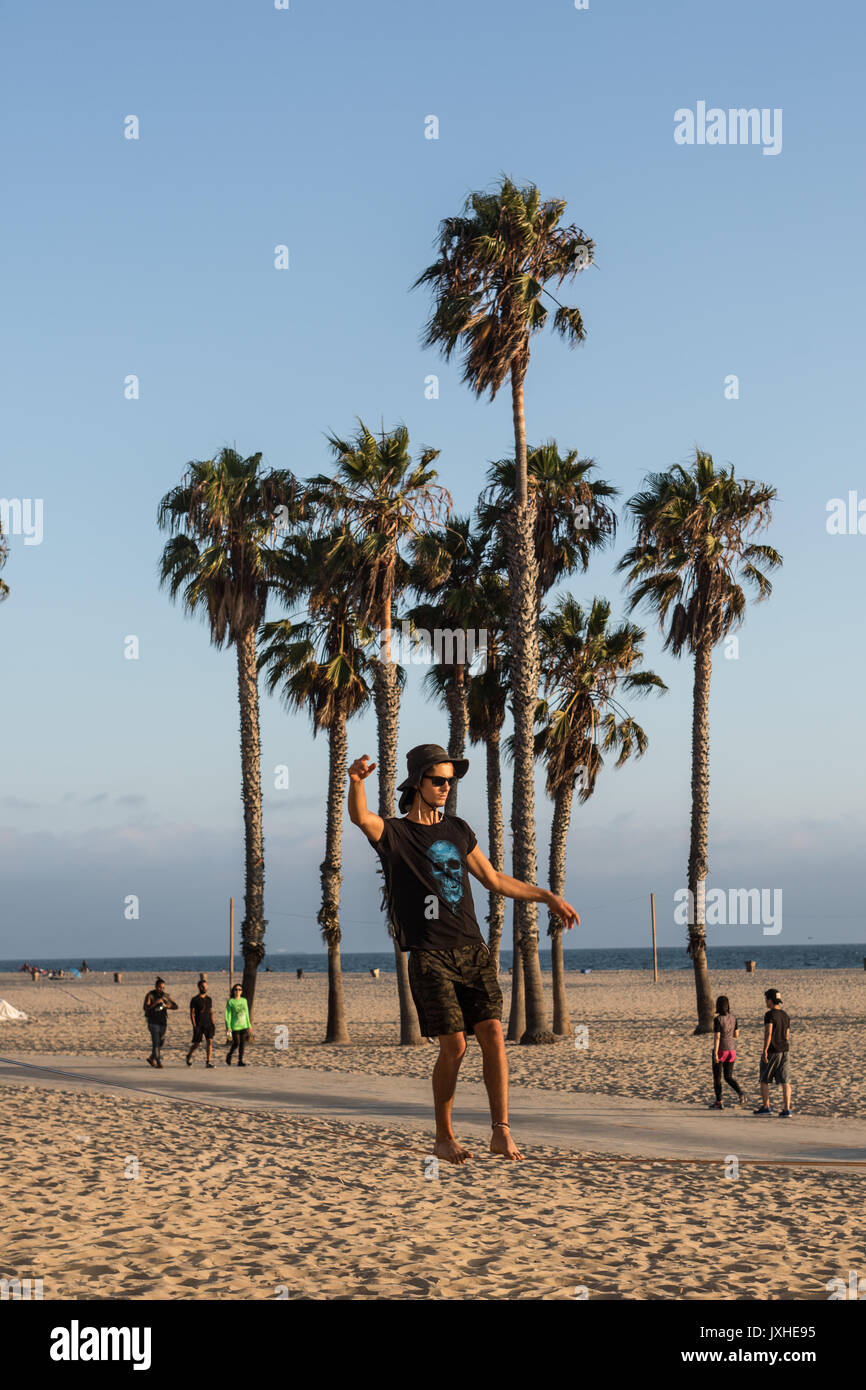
{"x": 455, "y": 989}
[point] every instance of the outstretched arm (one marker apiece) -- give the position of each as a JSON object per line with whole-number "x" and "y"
{"x": 510, "y": 887}
{"x": 371, "y": 824}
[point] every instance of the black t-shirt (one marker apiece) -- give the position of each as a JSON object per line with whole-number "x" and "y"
{"x": 155, "y": 1007}
{"x": 202, "y": 1008}
{"x": 427, "y": 882}
{"x": 780, "y": 1023}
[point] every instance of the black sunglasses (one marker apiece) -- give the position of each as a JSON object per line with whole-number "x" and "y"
{"x": 440, "y": 781}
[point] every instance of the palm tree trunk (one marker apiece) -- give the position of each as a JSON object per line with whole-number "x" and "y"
{"x": 496, "y": 911}
{"x": 698, "y": 837}
{"x": 386, "y": 695}
{"x": 558, "y": 847}
{"x": 458, "y": 722}
{"x": 336, "y": 1030}
{"x": 523, "y": 579}
{"x": 517, "y": 1012}
{"x": 253, "y": 925}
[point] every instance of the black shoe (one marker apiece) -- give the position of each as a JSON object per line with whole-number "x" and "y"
{"x": 209, "y": 1064}
{"x": 151, "y": 1061}
{"x": 228, "y": 1061}
{"x": 189, "y": 1059}
{"x": 159, "y": 1064}
{"x": 716, "y": 1105}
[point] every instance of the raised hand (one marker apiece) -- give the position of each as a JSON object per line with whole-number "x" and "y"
{"x": 361, "y": 769}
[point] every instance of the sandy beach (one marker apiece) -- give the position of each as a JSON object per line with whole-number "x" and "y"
{"x": 121, "y": 1195}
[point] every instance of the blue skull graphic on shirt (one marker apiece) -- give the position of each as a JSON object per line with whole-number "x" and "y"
{"x": 447, "y": 868}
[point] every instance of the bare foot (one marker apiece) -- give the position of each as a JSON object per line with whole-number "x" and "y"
{"x": 451, "y": 1151}
{"x": 502, "y": 1143}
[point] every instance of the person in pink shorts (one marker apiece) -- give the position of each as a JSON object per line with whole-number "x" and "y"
{"x": 725, "y": 1030}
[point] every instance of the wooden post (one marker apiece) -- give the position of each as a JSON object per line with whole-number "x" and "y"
{"x": 231, "y": 940}
{"x": 655, "y": 956}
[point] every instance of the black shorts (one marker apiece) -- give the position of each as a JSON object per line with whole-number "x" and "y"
{"x": 454, "y": 989}
{"x": 775, "y": 1069}
{"x": 206, "y": 1031}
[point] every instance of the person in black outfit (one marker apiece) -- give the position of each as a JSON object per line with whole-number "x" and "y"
{"x": 774, "y": 1058}
{"x": 203, "y": 1026}
{"x": 156, "y": 1003}
{"x": 427, "y": 861}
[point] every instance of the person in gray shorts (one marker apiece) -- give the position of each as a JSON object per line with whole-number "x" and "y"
{"x": 774, "y": 1058}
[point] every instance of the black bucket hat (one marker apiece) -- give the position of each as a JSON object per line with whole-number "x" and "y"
{"x": 417, "y": 762}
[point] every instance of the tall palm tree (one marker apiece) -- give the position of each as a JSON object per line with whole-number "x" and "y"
{"x": 222, "y": 558}
{"x": 493, "y": 265}
{"x": 379, "y": 498}
{"x": 693, "y": 552}
{"x": 445, "y": 569}
{"x": 572, "y": 518}
{"x": 586, "y": 663}
{"x": 319, "y": 664}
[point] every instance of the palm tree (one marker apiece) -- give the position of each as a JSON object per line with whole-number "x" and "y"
{"x": 491, "y": 272}
{"x": 380, "y": 497}
{"x": 585, "y": 664}
{"x": 572, "y": 515}
{"x": 445, "y": 569}
{"x": 222, "y": 557}
{"x": 693, "y": 551}
{"x": 319, "y": 664}
{"x": 572, "y": 519}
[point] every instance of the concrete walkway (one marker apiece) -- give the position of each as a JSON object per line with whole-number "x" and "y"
{"x": 569, "y": 1120}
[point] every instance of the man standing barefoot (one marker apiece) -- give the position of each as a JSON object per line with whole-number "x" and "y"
{"x": 426, "y": 856}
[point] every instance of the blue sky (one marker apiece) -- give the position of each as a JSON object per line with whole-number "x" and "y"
{"x": 154, "y": 257}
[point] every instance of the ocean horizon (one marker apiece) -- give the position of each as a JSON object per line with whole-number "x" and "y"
{"x": 827, "y": 956}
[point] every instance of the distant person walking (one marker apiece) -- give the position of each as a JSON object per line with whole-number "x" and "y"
{"x": 725, "y": 1029}
{"x": 203, "y": 1026}
{"x": 774, "y": 1058}
{"x": 238, "y": 1024}
{"x": 157, "y": 1002}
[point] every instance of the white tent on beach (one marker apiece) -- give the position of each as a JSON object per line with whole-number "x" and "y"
{"x": 8, "y": 1014}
